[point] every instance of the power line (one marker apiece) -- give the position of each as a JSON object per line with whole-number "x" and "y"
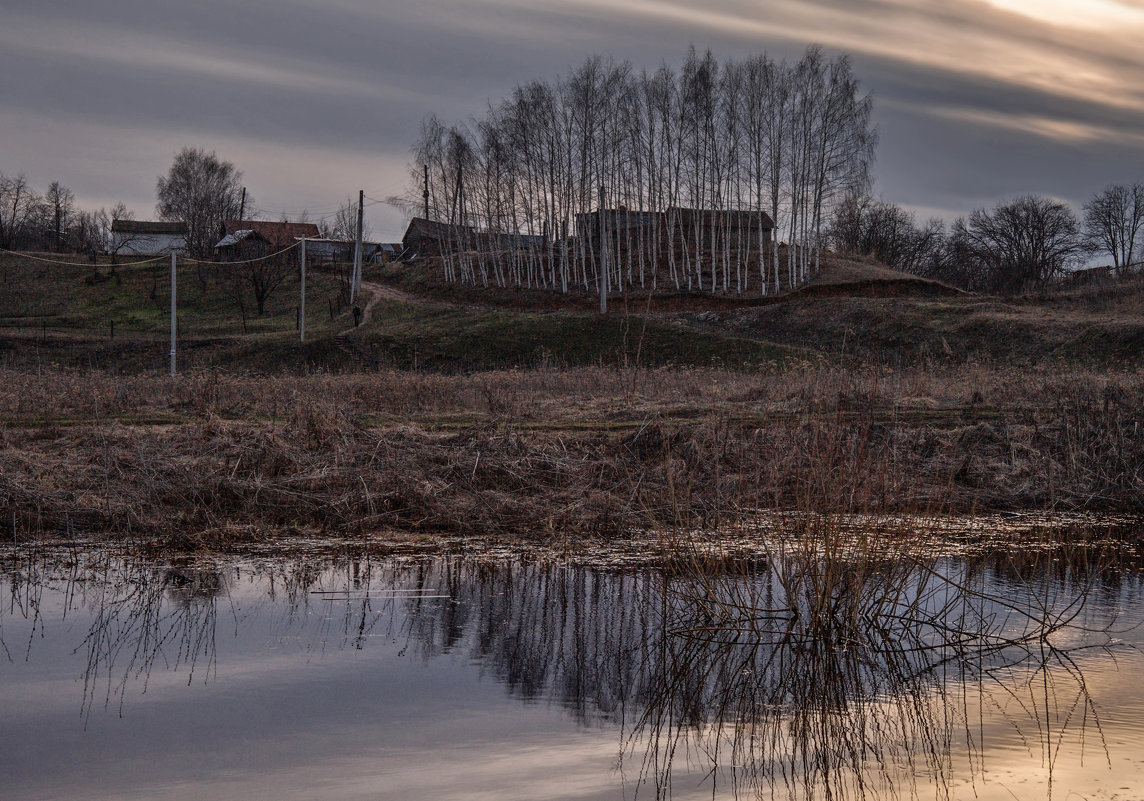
{"x": 244, "y": 261}
{"x": 376, "y": 202}
{"x": 320, "y": 214}
{"x": 77, "y": 263}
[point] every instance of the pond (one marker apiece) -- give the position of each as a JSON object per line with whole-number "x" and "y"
{"x": 517, "y": 676}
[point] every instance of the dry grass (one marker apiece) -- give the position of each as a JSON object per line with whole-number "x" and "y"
{"x": 219, "y": 459}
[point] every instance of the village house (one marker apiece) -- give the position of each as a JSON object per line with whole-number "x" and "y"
{"x": 681, "y": 227}
{"x": 252, "y": 239}
{"x": 140, "y": 238}
{"x": 323, "y": 250}
{"x": 388, "y": 252}
{"x": 428, "y": 237}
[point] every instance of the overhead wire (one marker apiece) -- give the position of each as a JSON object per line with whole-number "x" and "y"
{"x": 78, "y": 263}
{"x": 320, "y": 214}
{"x": 245, "y": 261}
{"x": 180, "y": 257}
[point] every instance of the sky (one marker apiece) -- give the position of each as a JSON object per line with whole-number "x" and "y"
{"x": 976, "y": 101}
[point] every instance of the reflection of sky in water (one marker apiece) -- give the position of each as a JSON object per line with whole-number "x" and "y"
{"x": 302, "y": 687}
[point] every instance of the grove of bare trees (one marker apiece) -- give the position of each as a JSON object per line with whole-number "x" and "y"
{"x": 609, "y": 177}
{"x": 888, "y": 233}
{"x": 50, "y": 221}
{"x": 1018, "y": 245}
{"x": 1023, "y": 244}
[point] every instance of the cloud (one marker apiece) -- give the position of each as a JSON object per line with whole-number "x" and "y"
{"x": 296, "y": 90}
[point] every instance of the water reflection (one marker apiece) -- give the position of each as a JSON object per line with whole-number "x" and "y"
{"x": 795, "y": 677}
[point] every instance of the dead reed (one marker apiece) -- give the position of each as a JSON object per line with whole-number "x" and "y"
{"x": 551, "y": 453}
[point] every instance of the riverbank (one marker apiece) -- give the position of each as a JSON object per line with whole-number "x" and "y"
{"x": 217, "y": 460}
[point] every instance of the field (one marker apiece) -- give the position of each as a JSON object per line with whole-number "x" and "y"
{"x": 502, "y": 416}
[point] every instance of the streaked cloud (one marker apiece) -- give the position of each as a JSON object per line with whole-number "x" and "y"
{"x": 312, "y": 98}
{"x": 1097, "y": 15}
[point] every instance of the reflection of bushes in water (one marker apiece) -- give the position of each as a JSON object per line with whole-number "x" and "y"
{"x": 190, "y": 584}
{"x": 135, "y": 631}
{"x": 810, "y": 670}
{"x": 143, "y": 616}
{"x": 579, "y": 636}
{"x": 844, "y": 677}
{"x": 852, "y": 676}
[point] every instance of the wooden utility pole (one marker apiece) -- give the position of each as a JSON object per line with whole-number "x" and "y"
{"x": 302, "y": 296}
{"x": 603, "y": 260}
{"x": 242, "y": 206}
{"x": 425, "y": 194}
{"x": 173, "y": 329}
{"x": 355, "y": 283}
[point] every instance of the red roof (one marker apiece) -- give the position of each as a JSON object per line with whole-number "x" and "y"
{"x": 278, "y": 234}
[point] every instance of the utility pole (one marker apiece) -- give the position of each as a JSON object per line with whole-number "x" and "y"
{"x": 603, "y": 258}
{"x": 242, "y": 206}
{"x": 425, "y": 194}
{"x": 173, "y": 329}
{"x": 302, "y": 298}
{"x": 355, "y": 282}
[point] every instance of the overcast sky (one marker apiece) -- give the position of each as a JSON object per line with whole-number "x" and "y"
{"x": 975, "y": 100}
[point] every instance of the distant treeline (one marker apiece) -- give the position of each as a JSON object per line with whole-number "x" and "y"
{"x": 1019, "y": 245}
{"x": 690, "y": 168}
{"x": 31, "y": 220}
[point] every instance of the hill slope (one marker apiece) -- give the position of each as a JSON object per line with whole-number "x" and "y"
{"x": 853, "y": 311}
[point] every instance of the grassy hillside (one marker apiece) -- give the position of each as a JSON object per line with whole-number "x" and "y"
{"x": 852, "y": 312}
{"x": 88, "y": 316}
{"x": 867, "y": 313}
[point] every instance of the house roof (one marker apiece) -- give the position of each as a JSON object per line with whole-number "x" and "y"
{"x": 143, "y": 227}
{"x": 278, "y": 234}
{"x": 434, "y": 229}
{"x": 234, "y": 237}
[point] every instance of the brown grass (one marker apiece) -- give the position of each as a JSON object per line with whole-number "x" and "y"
{"x": 220, "y": 459}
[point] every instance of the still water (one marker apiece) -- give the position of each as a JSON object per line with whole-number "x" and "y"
{"x": 452, "y": 677}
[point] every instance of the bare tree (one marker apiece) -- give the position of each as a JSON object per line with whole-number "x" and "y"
{"x": 1113, "y": 220}
{"x": 1019, "y": 245}
{"x": 638, "y": 178}
{"x": 60, "y": 205}
{"x": 19, "y": 208}
{"x": 343, "y": 226}
{"x": 201, "y": 191}
{"x": 864, "y": 226}
{"x": 255, "y": 267}
{"x": 266, "y": 275}
{"x": 114, "y": 245}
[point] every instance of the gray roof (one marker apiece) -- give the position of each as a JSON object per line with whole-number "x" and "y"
{"x": 144, "y": 227}
{"x": 233, "y": 238}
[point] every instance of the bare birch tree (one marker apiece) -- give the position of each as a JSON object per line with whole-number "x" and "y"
{"x": 695, "y": 167}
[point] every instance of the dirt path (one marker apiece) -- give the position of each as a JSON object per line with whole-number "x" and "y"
{"x": 378, "y": 292}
